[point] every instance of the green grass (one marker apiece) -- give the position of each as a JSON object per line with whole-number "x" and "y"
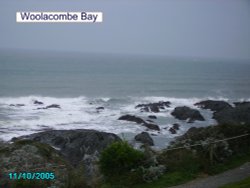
{"x": 180, "y": 176}
{"x": 168, "y": 179}
{"x": 240, "y": 184}
{"x": 231, "y": 163}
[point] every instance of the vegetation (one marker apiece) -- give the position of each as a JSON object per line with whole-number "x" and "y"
{"x": 120, "y": 163}
{"x": 207, "y": 157}
{"x": 241, "y": 184}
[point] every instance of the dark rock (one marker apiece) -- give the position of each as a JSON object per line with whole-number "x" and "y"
{"x": 145, "y": 138}
{"x": 27, "y": 155}
{"x": 132, "y": 118}
{"x": 152, "y": 126}
{"x": 213, "y": 105}
{"x": 75, "y": 144}
{"x": 148, "y": 120}
{"x": 172, "y": 130}
{"x": 240, "y": 114}
{"x": 139, "y": 120}
{"x": 241, "y": 104}
{"x": 38, "y": 102}
{"x": 50, "y": 106}
{"x": 17, "y": 105}
{"x": 153, "y": 107}
{"x": 186, "y": 113}
{"x": 100, "y": 108}
{"x": 152, "y": 117}
{"x": 176, "y": 126}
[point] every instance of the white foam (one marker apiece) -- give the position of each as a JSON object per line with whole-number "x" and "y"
{"x": 80, "y": 113}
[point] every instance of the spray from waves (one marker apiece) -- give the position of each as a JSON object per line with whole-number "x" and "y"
{"x": 83, "y": 113}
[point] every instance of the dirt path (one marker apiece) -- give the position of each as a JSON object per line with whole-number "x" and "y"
{"x": 216, "y": 181}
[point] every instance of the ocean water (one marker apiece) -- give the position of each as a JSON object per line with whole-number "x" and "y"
{"x": 80, "y": 83}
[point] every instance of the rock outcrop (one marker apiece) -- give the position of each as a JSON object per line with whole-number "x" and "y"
{"x": 50, "y": 106}
{"x": 153, "y": 107}
{"x": 139, "y": 120}
{"x": 186, "y": 113}
{"x": 144, "y": 138}
{"x": 79, "y": 147}
{"x": 213, "y": 105}
{"x": 224, "y": 113}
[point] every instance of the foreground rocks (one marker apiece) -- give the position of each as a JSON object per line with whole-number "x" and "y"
{"x": 186, "y": 113}
{"x": 139, "y": 120}
{"x": 78, "y": 147}
{"x": 74, "y": 145}
{"x": 31, "y": 156}
{"x": 153, "y": 107}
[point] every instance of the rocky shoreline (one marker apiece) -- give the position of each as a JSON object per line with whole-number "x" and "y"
{"x": 74, "y": 149}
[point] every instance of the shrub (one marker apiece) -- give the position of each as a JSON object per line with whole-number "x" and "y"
{"x": 120, "y": 158}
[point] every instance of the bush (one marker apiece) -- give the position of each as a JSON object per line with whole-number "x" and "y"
{"x": 120, "y": 158}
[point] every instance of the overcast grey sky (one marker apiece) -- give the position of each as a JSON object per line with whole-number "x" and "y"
{"x": 189, "y": 28}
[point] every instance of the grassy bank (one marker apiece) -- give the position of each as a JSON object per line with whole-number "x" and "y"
{"x": 188, "y": 163}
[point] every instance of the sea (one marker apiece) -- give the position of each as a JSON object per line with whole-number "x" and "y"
{"x": 82, "y": 82}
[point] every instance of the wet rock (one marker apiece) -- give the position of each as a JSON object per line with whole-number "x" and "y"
{"x": 144, "y": 138}
{"x": 50, "y": 106}
{"x": 153, "y": 107}
{"x": 132, "y": 118}
{"x": 139, "y": 120}
{"x": 240, "y": 114}
{"x": 152, "y": 117}
{"x": 186, "y": 113}
{"x": 100, "y": 108}
{"x": 172, "y": 130}
{"x": 38, "y": 102}
{"x": 17, "y": 105}
{"x": 176, "y": 126}
{"x": 213, "y": 105}
{"x": 148, "y": 120}
{"x": 152, "y": 126}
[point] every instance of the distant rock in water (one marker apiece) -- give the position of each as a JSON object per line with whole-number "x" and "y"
{"x": 213, "y": 105}
{"x": 37, "y": 102}
{"x": 153, "y": 107}
{"x": 50, "y": 106}
{"x": 152, "y": 126}
{"x": 174, "y": 128}
{"x": 186, "y": 113}
{"x": 144, "y": 138}
{"x": 100, "y": 108}
{"x": 17, "y": 105}
{"x": 132, "y": 118}
{"x": 139, "y": 120}
{"x": 152, "y": 117}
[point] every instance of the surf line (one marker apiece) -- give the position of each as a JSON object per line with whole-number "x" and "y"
{"x": 59, "y": 17}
